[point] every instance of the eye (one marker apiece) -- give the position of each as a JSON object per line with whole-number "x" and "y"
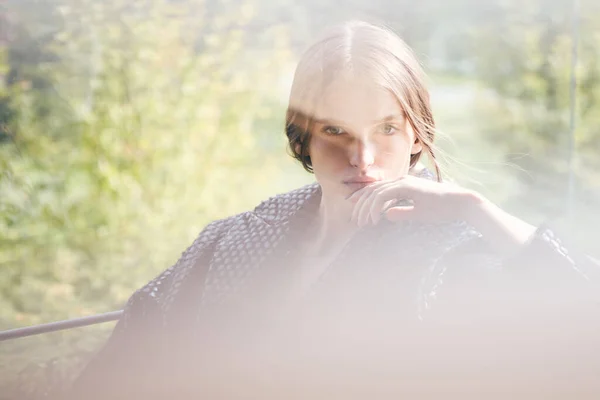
{"x": 333, "y": 130}
{"x": 388, "y": 129}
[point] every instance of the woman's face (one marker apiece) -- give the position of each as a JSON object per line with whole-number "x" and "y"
{"x": 360, "y": 136}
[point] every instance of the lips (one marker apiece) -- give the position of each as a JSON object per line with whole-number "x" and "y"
{"x": 357, "y": 183}
{"x": 360, "y": 180}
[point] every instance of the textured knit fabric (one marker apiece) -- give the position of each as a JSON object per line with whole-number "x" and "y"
{"x": 235, "y": 248}
{"x": 405, "y": 265}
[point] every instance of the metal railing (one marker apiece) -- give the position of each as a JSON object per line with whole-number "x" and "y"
{"x": 97, "y": 319}
{"x": 60, "y": 325}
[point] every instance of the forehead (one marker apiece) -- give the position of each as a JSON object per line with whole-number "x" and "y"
{"x": 356, "y": 101}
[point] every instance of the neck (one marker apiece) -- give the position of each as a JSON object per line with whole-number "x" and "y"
{"x": 333, "y": 227}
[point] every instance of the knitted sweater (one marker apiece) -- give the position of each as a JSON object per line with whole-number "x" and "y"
{"x": 411, "y": 273}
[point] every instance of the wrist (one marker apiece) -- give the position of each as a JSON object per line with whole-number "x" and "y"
{"x": 504, "y": 231}
{"x": 472, "y": 206}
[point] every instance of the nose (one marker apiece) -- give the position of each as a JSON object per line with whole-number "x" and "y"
{"x": 362, "y": 154}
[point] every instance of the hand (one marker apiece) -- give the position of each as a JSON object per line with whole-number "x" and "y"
{"x": 439, "y": 202}
{"x": 431, "y": 201}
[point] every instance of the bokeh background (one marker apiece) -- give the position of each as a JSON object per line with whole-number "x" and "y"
{"x": 128, "y": 125}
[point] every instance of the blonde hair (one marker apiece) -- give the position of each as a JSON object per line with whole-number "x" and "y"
{"x": 364, "y": 49}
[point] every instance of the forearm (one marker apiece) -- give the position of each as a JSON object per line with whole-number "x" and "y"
{"x": 504, "y": 232}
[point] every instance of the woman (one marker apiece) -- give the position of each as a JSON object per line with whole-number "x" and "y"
{"x": 310, "y": 276}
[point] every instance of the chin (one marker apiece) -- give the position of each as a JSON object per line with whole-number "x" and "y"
{"x": 353, "y": 187}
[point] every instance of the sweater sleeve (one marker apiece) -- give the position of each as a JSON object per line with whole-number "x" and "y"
{"x": 546, "y": 257}
{"x": 534, "y": 313}
{"x": 133, "y": 361}
{"x": 545, "y": 275}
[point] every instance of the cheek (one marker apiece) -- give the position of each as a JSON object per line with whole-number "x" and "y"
{"x": 326, "y": 154}
{"x": 394, "y": 155}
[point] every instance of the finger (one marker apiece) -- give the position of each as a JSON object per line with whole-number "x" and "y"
{"x": 385, "y": 197}
{"x": 354, "y": 196}
{"x": 397, "y": 192}
{"x": 399, "y": 214}
{"x": 359, "y": 205}
{"x": 363, "y": 208}
{"x": 357, "y": 194}
{"x": 364, "y": 213}
{"x": 373, "y": 205}
{"x": 369, "y": 207}
{"x": 364, "y": 195}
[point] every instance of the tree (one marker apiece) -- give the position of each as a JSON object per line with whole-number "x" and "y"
{"x": 142, "y": 140}
{"x": 523, "y": 54}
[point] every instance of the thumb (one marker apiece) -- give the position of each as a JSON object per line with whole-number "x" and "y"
{"x": 397, "y": 214}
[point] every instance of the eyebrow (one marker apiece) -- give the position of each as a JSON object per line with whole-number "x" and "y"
{"x": 391, "y": 117}
{"x": 336, "y": 122}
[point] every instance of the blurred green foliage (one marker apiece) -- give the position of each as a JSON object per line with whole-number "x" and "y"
{"x": 522, "y": 54}
{"x": 127, "y": 125}
{"x": 134, "y": 141}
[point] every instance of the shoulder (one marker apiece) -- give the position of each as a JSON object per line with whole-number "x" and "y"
{"x": 218, "y": 236}
{"x": 421, "y": 171}
{"x": 156, "y": 296}
{"x": 281, "y": 207}
{"x": 270, "y": 215}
